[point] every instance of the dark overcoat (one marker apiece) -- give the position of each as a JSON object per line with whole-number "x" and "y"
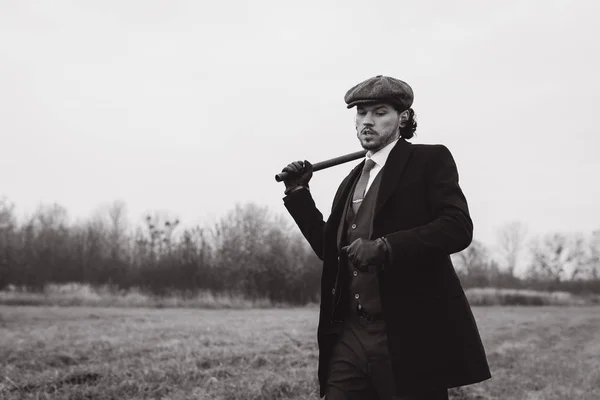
{"x": 432, "y": 335}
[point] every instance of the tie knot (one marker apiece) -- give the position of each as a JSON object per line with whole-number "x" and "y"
{"x": 369, "y": 164}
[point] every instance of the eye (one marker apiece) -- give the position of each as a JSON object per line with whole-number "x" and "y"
{"x": 380, "y": 113}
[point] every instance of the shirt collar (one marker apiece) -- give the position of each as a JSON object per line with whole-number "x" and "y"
{"x": 381, "y": 156}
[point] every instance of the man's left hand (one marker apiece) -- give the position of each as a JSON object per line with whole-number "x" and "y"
{"x": 364, "y": 252}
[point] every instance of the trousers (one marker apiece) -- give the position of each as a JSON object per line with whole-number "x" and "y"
{"x": 360, "y": 367}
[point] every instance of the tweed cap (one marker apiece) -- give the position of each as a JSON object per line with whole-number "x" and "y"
{"x": 381, "y": 89}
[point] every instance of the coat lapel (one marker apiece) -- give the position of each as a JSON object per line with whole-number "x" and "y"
{"x": 338, "y": 204}
{"x": 392, "y": 172}
{"x": 338, "y": 208}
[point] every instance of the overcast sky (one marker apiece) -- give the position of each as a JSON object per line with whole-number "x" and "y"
{"x": 191, "y": 107}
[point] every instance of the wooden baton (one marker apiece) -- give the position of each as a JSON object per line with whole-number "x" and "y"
{"x": 332, "y": 162}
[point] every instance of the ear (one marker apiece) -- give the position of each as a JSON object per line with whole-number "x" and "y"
{"x": 404, "y": 117}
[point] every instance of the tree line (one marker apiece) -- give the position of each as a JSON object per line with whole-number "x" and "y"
{"x": 555, "y": 261}
{"x": 249, "y": 252}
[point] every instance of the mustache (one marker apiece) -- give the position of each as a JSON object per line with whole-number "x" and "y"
{"x": 368, "y": 130}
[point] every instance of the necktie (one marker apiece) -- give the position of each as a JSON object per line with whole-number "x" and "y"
{"x": 359, "y": 190}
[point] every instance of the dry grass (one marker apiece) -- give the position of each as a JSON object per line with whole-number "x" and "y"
{"x": 546, "y": 353}
{"x": 76, "y": 294}
{"x": 523, "y": 297}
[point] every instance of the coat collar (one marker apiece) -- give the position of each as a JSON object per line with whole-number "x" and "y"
{"x": 392, "y": 172}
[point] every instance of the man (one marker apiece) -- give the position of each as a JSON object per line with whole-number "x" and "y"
{"x": 394, "y": 320}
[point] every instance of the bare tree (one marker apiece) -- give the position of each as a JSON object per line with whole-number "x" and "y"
{"x": 557, "y": 257}
{"x": 594, "y": 261}
{"x": 511, "y": 242}
{"x": 580, "y": 257}
{"x": 7, "y": 248}
{"x": 51, "y": 217}
{"x": 117, "y": 214}
{"x": 48, "y": 240}
{"x": 7, "y": 215}
{"x": 161, "y": 229}
{"x": 587, "y": 260}
{"x": 476, "y": 265}
{"x": 473, "y": 259}
{"x": 260, "y": 254}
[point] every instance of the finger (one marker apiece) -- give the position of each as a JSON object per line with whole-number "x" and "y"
{"x": 292, "y": 168}
{"x": 356, "y": 243}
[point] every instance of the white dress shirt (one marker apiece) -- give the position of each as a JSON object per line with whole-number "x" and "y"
{"x": 380, "y": 158}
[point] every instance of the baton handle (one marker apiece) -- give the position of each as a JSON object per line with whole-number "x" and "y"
{"x": 332, "y": 162}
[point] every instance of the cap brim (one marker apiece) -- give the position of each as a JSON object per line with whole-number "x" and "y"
{"x": 369, "y": 101}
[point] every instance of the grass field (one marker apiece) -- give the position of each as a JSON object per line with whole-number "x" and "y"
{"x": 136, "y": 353}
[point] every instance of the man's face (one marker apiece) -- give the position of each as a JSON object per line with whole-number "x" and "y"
{"x": 377, "y": 125}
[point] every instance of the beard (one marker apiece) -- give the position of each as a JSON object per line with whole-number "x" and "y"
{"x": 370, "y": 142}
{"x": 373, "y": 141}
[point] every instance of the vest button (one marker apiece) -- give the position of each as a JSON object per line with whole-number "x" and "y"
{"x": 353, "y": 226}
{"x": 355, "y": 273}
{"x": 356, "y": 296}
{"x": 333, "y": 291}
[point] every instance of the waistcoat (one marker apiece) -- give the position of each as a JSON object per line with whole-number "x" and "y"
{"x": 363, "y": 286}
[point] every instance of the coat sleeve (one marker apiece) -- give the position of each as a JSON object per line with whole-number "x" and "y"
{"x": 309, "y": 219}
{"x": 451, "y": 229}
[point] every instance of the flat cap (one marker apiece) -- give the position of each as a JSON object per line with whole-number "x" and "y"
{"x": 381, "y": 89}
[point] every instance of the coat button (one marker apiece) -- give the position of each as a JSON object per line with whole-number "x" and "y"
{"x": 356, "y": 296}
{"x": 355, "y": 273}
{"x": 353, "y": 226}
{"x": 333, "y": 291}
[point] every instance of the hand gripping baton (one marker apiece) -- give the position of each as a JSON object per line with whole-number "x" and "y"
{"x": 328, "y": 163}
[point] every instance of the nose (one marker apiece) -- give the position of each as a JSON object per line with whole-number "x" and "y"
{"x": 368, "y": 119}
